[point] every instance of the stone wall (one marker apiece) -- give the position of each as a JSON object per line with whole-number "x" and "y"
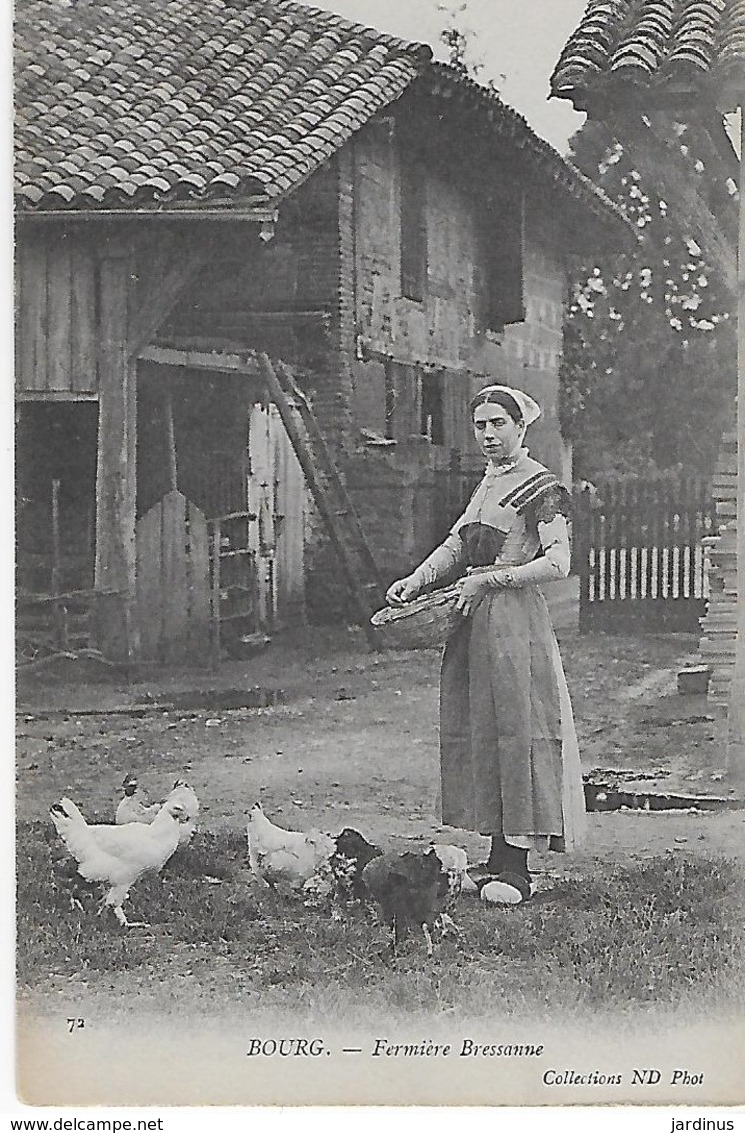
{"x": 444, "y": 333}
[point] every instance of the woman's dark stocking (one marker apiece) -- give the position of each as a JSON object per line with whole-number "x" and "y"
{"x": 504, "y": 858}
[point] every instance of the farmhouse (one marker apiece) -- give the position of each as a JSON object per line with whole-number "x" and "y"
{"x": 205, "y": 181}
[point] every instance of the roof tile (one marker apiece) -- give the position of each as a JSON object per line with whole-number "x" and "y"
{"x": 152, "y": 100}
{"x": 623, "y": 46}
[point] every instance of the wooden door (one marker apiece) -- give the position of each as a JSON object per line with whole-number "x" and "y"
{"x": 291, "y": 500}
{"x": 262, "y": 496}
{"x": 173, "y": 583}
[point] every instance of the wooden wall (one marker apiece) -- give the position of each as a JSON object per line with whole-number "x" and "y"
{"x": 56, "y": 310}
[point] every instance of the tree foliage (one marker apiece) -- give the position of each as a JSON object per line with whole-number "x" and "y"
{"x": 649, "y": 366}
{"x": 459, "y": 38}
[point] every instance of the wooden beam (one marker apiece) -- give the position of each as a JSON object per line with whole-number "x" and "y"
{"x": 115, "y": 474}
{"x": 171, "y": 270}
{"x": 56, "y": 395}
{"x": 170, "y": 438}
{"x": 217, "y": 361}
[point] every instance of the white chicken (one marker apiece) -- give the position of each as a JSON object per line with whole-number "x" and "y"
{"x": 119, "y": 855}
{"x": 187, "y": 799}
{"x": 133, "y": 807}
{"x": 276, "y": 854}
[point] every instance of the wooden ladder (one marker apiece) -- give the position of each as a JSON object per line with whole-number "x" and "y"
{"x": 328, "y": 491}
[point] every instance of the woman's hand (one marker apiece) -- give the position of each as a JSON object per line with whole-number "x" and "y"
{"x": 476, "y": 587}
{"x": 401, "y": 591}
{"x": 473, "y": 590}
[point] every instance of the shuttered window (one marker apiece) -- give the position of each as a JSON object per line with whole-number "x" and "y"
{"x": 413, "y": 213}
{"x": 502, "y": 237}
{"x": 414, "y": 403}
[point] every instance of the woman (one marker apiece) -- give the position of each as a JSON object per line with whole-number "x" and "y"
{"x": 508, "y": 750}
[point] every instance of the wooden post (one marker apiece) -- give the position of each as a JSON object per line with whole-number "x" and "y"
{"x": 736, "y": 714}
{"x": 115, "y": 472}
{"x": 59, "y": 609}
{"x": 170, "y": 438}
{"x": 215, "y": 602}
{"x": 56, "y": 551}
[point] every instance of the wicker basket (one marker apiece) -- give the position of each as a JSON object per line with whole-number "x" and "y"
{"x": 425, "y": 623}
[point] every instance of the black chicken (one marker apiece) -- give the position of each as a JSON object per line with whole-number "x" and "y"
{"x": 411, "y": 890}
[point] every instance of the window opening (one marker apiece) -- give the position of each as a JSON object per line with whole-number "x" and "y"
{"x": 432, "y": 424}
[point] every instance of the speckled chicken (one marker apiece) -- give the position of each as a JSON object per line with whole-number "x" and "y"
{"x": 134, "y": 806}
{"x": 337, "y": 881}
{"x": 352, "y": 853}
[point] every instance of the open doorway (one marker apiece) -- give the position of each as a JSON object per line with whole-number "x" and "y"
{"x": 56, "y": 496}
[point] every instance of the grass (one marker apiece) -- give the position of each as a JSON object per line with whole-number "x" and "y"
{"x": 663, "y": 933}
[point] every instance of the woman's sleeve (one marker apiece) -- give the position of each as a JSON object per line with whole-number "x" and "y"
{"x": 555, "y": 560}
{"x": 443, "y": 560}
{"x": 549, "y": 514}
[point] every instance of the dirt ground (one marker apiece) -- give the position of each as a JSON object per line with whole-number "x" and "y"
{"x": 352, "y": 739}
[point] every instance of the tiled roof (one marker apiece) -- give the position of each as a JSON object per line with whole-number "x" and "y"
{"x": 146, "y": 103}
{"x": 123, "y": 102}
{"x": 508, "y": 125}
{"x": 627, "y": 46}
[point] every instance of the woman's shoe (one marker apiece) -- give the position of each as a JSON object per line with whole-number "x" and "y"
{"x": 505, "y": 888}
{"x": 481, "y": 870}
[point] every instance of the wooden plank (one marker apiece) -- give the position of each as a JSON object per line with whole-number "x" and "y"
{"x": 56, "y": 395}
{"x": 197, "y": 585}
{"x": 56, "y": 550}
{"x": 651, "y": 510}
{"x": 640, "y": 539}
{"x": 686, "y": 537}
{"x": 170, "y": 439}
{"x": 215, "y": 595}
{"x": 221, "y": 362}
{"x": 291, "y": 502}
{"x": 33, "y": 314}
{"x": 149, "y": 583}
{"x": 580, "y": 554}
{"x": 59, "y": 338}
{"x": 84, "y": 359}
{"x": 175, "y": 619}
{"x": 115, "y": 473}
{"x": 261, "y": 500}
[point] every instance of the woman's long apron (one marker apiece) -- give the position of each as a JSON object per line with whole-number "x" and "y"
{"x": 508, "y": 748}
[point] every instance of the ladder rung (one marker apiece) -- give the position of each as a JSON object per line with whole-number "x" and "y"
{"x": 327, "y": 487}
